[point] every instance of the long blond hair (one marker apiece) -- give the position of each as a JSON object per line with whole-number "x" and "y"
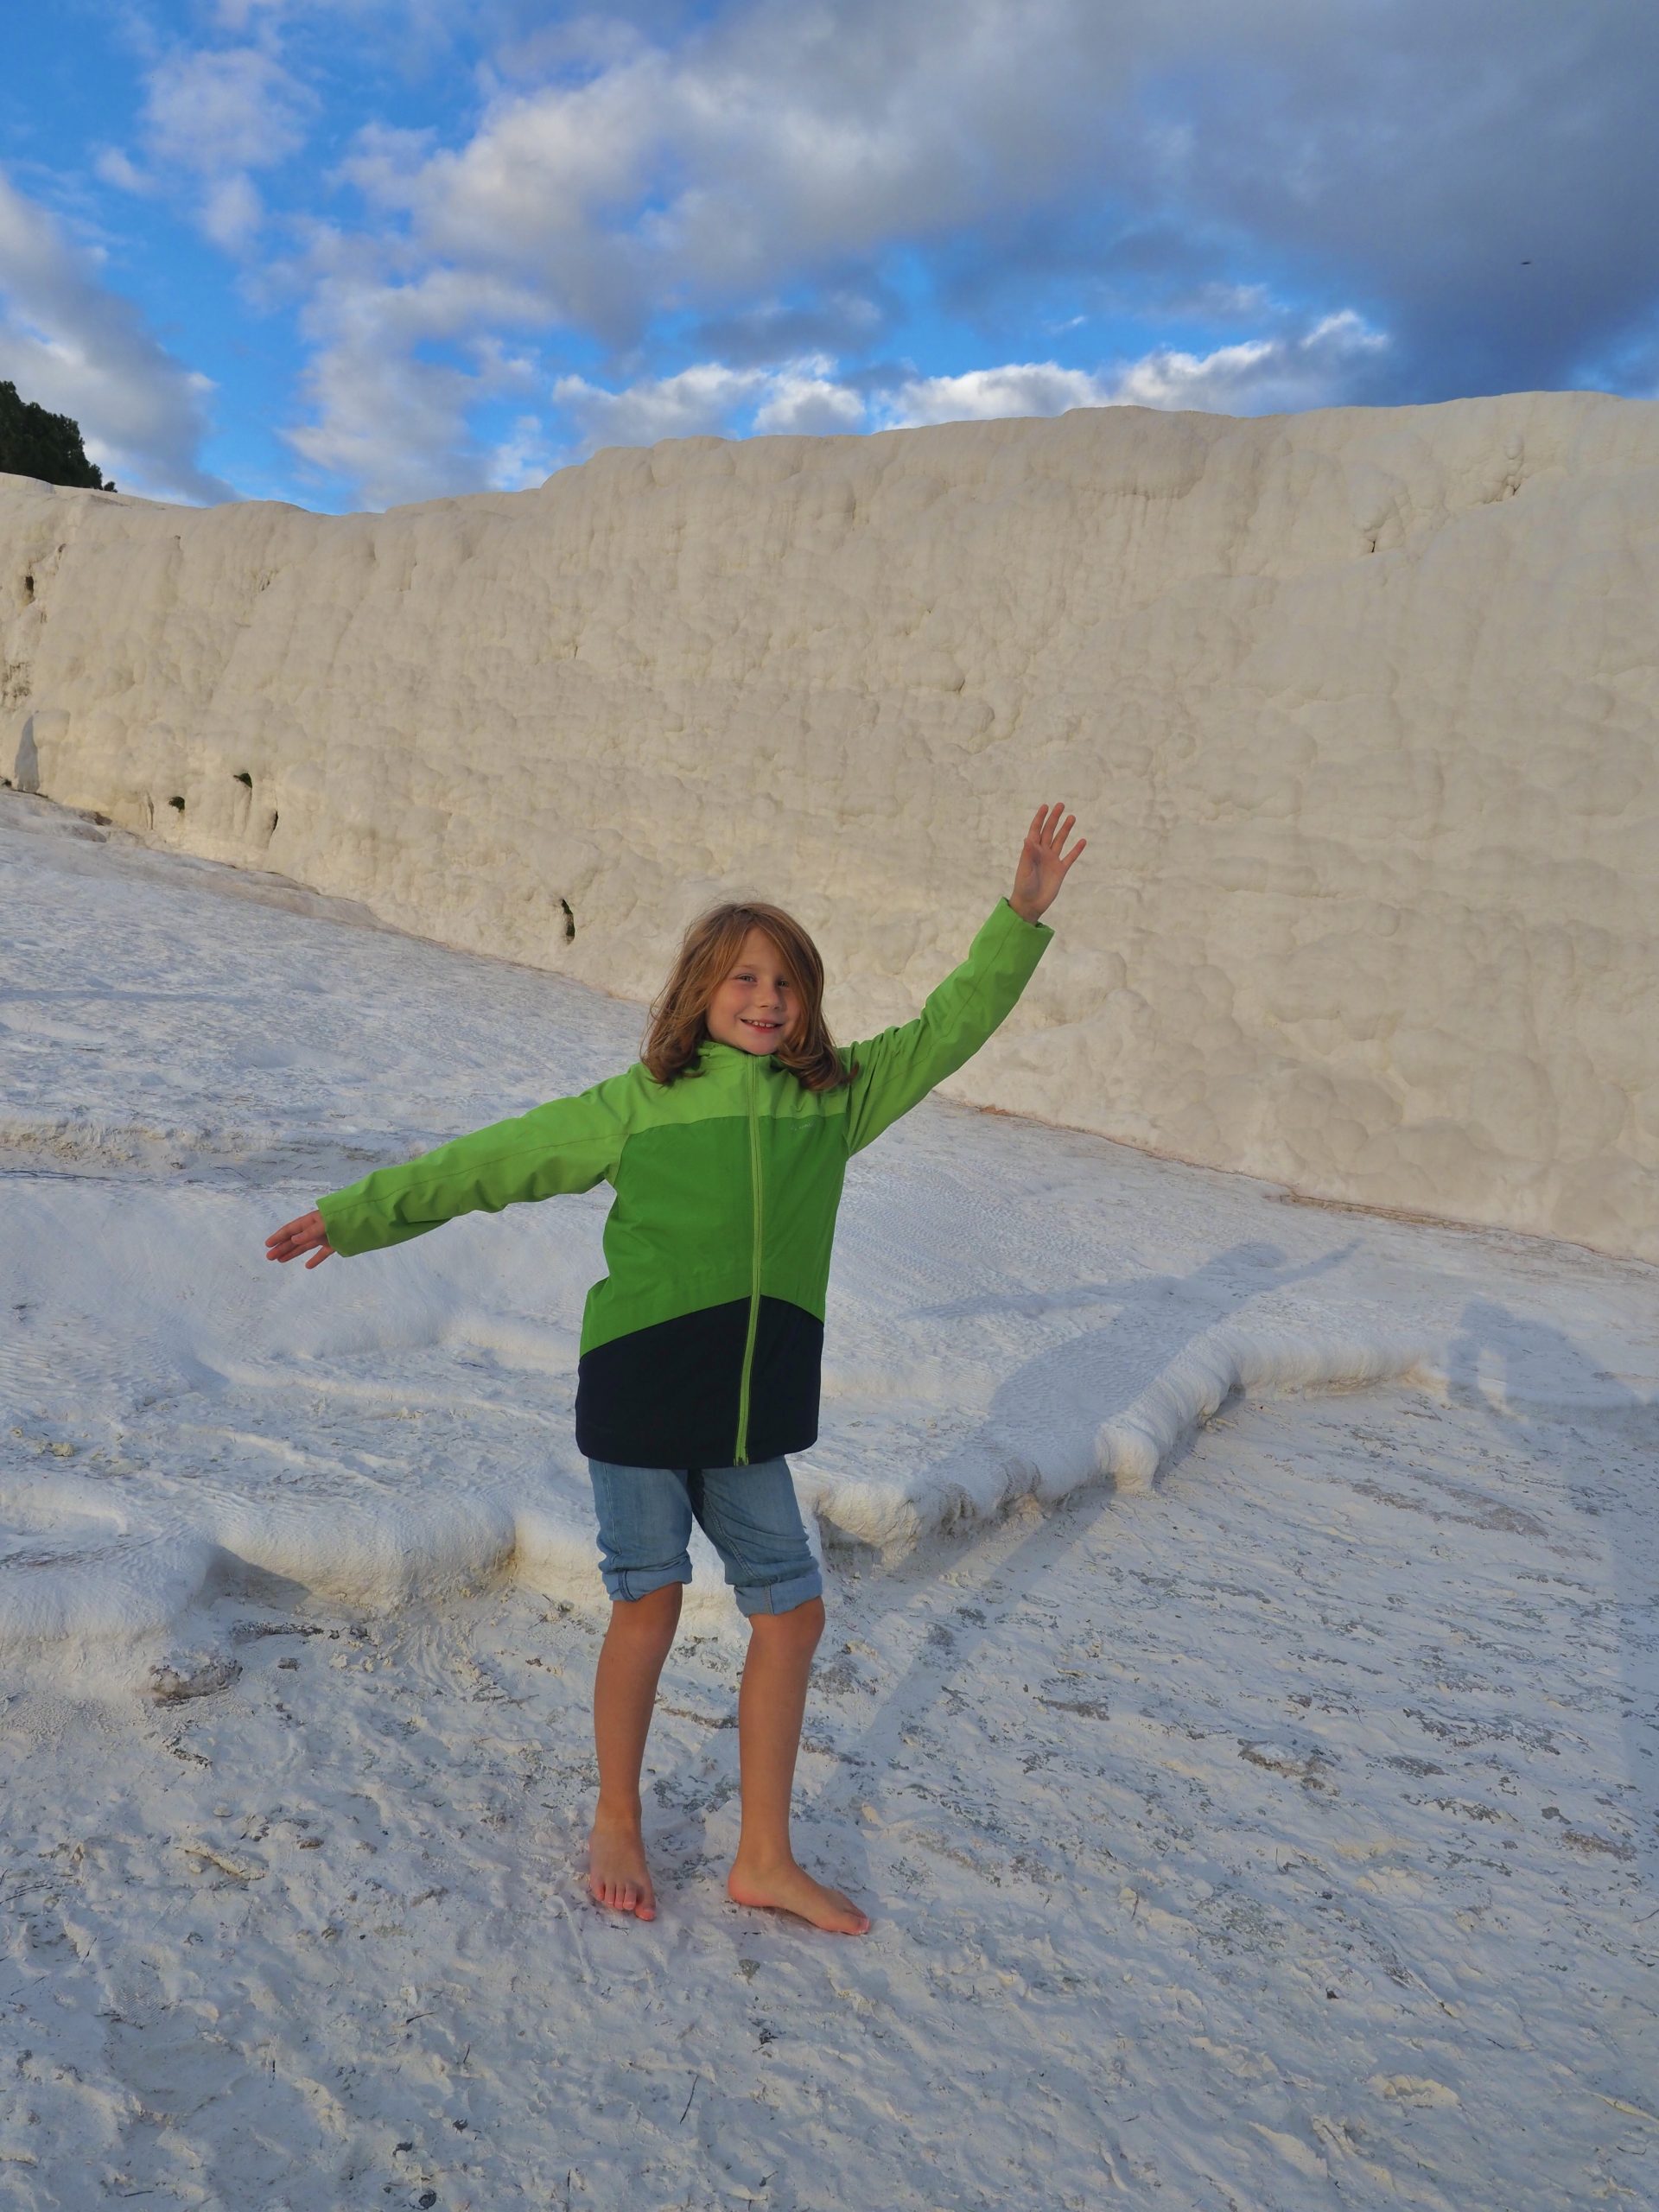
{"x": 679, "y": 1013}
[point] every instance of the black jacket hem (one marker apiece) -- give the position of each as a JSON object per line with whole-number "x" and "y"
{"x": 669, "y": 1395}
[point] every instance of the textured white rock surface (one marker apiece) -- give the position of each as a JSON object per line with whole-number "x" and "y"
{"x": 1286, "y": 1835}
{"x": 1357, "y": 709}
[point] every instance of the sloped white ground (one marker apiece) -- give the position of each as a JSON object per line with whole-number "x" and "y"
{"x": 1357, "y": 1697}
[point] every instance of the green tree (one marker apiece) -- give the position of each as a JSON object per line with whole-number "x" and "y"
{"x": 34, "y": 443}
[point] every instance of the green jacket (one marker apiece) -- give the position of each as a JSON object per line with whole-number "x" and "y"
{"x": 703, "y": 1344}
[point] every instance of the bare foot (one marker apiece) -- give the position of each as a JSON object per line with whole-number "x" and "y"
{"x": 789, "y": 1888}
{"x": 617, "y": 1873}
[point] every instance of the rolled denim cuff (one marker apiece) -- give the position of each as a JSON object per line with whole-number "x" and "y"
{"x": 631, "y": 1582}
{"x": 779, "y": 1597}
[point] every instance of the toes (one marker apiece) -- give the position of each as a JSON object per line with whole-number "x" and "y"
{"x": 623, "y": 1896}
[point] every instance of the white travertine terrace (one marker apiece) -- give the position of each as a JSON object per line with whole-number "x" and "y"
{"x": 1356, "y": 707}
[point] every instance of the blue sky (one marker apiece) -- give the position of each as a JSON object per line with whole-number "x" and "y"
{"x": 353, "y": 253}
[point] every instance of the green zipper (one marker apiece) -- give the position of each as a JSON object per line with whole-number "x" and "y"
{"x": 741, "y": 1456}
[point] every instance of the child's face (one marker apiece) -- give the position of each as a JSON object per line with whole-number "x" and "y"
{"x": 758, "y": 1007}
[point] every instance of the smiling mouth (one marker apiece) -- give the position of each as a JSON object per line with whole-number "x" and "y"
{"x": 759, "y": 1024}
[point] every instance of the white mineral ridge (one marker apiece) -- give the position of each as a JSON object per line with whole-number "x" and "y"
{"x": 1357, "y": 709}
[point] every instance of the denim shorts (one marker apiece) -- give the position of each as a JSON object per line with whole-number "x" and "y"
{"x": 748, "y": 1514}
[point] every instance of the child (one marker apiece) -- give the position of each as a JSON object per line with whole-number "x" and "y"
{"x": 726, "y": 1143}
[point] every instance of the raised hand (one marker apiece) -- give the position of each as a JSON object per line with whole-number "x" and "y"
{"x": 300, "y": 1236}
{"x": 1042, "y": 869}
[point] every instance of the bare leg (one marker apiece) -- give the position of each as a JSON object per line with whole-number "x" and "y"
{"x": 770, "y": 1708}
{"x": 625, "y": 1691}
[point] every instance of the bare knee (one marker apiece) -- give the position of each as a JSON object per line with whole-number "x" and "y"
{"x": 796, "y": 1631}
{"x": 647, "y": 1622}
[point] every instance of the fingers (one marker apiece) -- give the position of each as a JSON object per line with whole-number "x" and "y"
{"x": 1046, "y": 844}
{"x": 1047, "y": 828}
{"x": 298, "y": 1235}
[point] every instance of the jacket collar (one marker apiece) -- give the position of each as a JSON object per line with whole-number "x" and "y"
{"x": 714, "y": 1054}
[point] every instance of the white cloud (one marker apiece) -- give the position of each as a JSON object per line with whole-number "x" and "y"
{"x": 701, "y": 177}
{"x": 803, "y": 398}
{"x": 806, "y": 396}
{"x": 78, "y": 348}
{"x": 710, "y": 399}
{"x": 217, "y": 112}
{"x": 214, "y": 117}
{"x": 389, "y": 422}
{"x": 1257, "y": 377}
{"x": 523, "y": 459}
{"x": 699, "y": 402}
{"x": 766, "y": 139}
{"x": 1019, "y": 388}
{"x": 390, "y": 426}
{"x": 1260, "y": 376}
{"x": 232, "y": 211}
{"x": 117, "y": 169}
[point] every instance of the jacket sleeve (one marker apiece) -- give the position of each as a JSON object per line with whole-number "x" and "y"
{"x": 899, "y": 1068}
{"x": 568, "y": 1145}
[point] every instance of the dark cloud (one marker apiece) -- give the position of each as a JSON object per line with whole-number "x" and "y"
{"x": 1046, "y": 265}
{"x": 847, "y": 318}
{"x": 1483, "y": 181}
{"x": 1418, "y": 167}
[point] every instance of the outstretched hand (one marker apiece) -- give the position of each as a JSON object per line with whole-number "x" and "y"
{"x": 1042, "y": 869}
{"x": 294, "y": 1237}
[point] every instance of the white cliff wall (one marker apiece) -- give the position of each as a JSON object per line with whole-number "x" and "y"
{"x": 1357, "y": 710}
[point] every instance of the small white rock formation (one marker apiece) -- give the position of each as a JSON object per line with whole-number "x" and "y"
{"x": 1357, "y": 709}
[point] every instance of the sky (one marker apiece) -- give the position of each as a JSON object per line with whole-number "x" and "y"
{"x": 350, "y": 253}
